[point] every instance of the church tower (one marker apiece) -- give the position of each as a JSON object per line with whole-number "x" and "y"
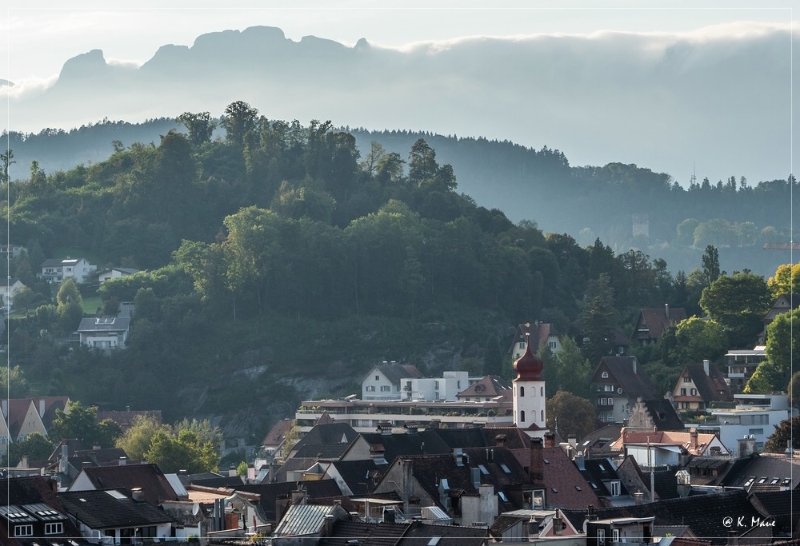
{"x": 529, "y": 397}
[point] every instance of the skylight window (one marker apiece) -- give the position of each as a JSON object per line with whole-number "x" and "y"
{"x": 502, "y": 496}
{"x": 505, "y": 468}
{"x": 484, "y": 471}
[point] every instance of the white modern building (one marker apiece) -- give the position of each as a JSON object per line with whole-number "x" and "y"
{"x": 57, "y": 270}
{"x": 753, "y": 417}
{"x": 435, "y": 388}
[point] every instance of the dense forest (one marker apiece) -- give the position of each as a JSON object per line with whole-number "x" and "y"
{"x": 280, "y": 254}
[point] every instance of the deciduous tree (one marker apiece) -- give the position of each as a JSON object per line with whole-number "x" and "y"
{"x": 569, "y": 414}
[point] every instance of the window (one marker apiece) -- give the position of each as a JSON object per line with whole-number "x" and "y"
{"x": 609, "y": 388}
{"x": 521, "y": 344}
{"x": 541, "y": 391}
{"x": 385, "y": 388}
{"x": 552, "y": 345}
{"x": 54, "y": 528}
{"x": 522, "y": 416}
{"x": 614, "y": 488}
{"x": 610, "y": 401}
{"x": 370, "y": 388}
{"x": 604, "y": 375}
{"x": 601, "y": 537}
{"x": 377, "y": 378}
{"x": 693, "y": 392}
{"x": 542, "y": 418}
{"x": 521, "y": 391}
{"x": 756, "y": 431}
{"x": 615, "y": 535}
{"x": 683, "y": 392}
{"x": 687, "y": 379}
{"x": 538, "y": 499}
{"x": 23, "y": 530}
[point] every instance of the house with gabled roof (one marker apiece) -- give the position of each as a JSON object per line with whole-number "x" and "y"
{"x": 116, "y": 514}
{"x": 658, "y": 448}
{"x": 782, "y": 304}
{"x": 652, "y": 323}
{"x": 539, "y": 334}
{"x": 487, "y": 388}
{"x": 8, "y": 289}
{"x": 383, "y": 382}
{"x": 654, "y": 414}
{"x": 145, "y": 477}
{"x": 115, "y": 273}
{"x": 104, "y": 332}
{"x": 618, "y": 382}
{"x": 21, "y": 417}
{"x": 303, "y": 522}
{"x": 31, "y": 510}
{"x": 56, "y": 270}
{"x": 699, "y": 385}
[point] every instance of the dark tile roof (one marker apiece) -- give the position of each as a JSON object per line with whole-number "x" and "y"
{"x": 462, "y": 437}
{"x": 783, "y": 506}
{"x": 360, "y": 476}
{"x": 147, "y": 477}
{"x": 599, "y": 441}
{"x": 515, "y": 438}
{"x": 665, "y": 482}
{"x": 367, "y": 534}
{"x": 664, "y": 415}
{"x": 426, "y": 442}
{"x": 488, "y": 386}
{"x": 271, "y": 492}
{"x": 294, "y": 464}
{"x": 657, "y": 321}
{"x": 213, "y": 481}
{"x": 104, "y": 324}
{"x": 764, "y": 466}
{"x": 627, "y": 372}
{"x": 421, "y": 534}
{"x": 330, "y": 452}
{"x": 396, "y": 372}
{"x": 565, "y": 487}
{"x": 277, "y": 433}
{"x": 330, "y": 434}
{"x": 704, "y": 514}
{"x": 709, "y": 386}
{"x": 598, "y": 471}
{"x": 538, "y": 331}
{"x": 30, "y": 490}
{"x": 111, "y": 508}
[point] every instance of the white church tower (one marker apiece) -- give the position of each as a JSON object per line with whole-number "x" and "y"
{"x": 529, "y": 397}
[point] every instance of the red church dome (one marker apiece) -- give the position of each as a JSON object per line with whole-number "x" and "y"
{"x": 529, "y": 367}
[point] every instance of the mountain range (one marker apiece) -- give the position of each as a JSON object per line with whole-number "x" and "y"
{"x": 717, "y": 103}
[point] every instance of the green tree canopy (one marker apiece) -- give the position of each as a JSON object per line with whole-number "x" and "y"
{"x": 738, "y": 302}
{"x": 786, "y": 431}
{"x": 570, "y": 414}
{"x": 79, "y": 422}
{"x": 36, "y": 447}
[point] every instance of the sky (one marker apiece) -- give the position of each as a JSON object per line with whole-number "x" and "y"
{"x": 40, "y": 36}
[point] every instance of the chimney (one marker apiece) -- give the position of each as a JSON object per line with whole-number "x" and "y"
{"x": 590, "y": 515}
{"x": 412, "y": 428}
{"x": 500, "y": 440}
{"x": 327, "y": 525}
{"x": 572, "y": 440}
{"x": 558, "y": 526}
{"x": 123, "y": 461}
{"x": 298, "y": 496}
{"x": 693, "y": 438}
{"x": 639, "y": 496}
{"x": 388, "y": 515}
{"x": 666, "y": 310}
{"x": 549, "y": 439}
{"x": 232, "y": 470}
{"x": 5, "y": 408}
{"x": 24, "y": 462}
{"x": 537, "y": 462}
{"x": 42, "y": 407}
{"x": 64, "y": 460}
{"x": 579, "y": 461}
{"x": 138, "y": 494}
{"x": 706, "y": 366}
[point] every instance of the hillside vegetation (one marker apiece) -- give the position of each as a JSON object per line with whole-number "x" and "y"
{"x": 282, "y": 262}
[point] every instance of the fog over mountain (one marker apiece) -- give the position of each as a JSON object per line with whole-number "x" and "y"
{"x": 717, "y": 99}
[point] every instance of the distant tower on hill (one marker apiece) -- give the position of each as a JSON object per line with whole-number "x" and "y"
{"x": 529, "y": 397}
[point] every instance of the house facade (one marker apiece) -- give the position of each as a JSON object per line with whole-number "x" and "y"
{"x": 383, "y": 382}
{"x": 8, "y": 290}
{"x": 618, "y": 381}
{"x": 104, "y": 332}
{"x": 754, "y": 417}
{"x": 742, "y": 363}
{"x": 653, "y": 322}
{"x": 699, "y": 385}
{"x": 57, "y": 270}
{"x": 115, "y": 273}
{"x": 539, "y": 334}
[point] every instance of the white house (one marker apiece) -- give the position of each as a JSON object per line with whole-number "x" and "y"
{"x": 115, "y": 273}
{"x": 383, "y": 382}
{"x": 56, "y": 270}
{"x": 753, "y": 417}
{"x": 8, "y": 290}
{"x": 446, "y": 387}
{"x": 104, "y": 332}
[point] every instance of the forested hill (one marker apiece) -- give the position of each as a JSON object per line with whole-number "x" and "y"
{"x": 283, "y": 253}
{"x": 526, "y": 184}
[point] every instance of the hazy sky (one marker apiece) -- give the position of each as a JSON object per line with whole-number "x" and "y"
{"x": 42, "y": 35}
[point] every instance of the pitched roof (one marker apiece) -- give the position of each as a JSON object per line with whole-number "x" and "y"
{"x": 111, "y": 508}
{"x": 359, "y": 476}
{"x": 704, "y": 514}
{"x": 780, "y": 505}
{"x": 277, "y": 433}
{"x": 104, "y": 324}
{"x": 301, "y": 519}
{"x": 663, "y": 414}
{"x": 653, "y": 322}
{"x": 666, "y": 437}
{"x": 488, "y": 386}
{"x": 628, "y": 373}
{"x": 367, "y": 534}
{"x": 565, "y": 487}
{"x": 269, "y": 493}
{"x": 711, "y": 387}
{"x": 29, "y": 492}
{"x": 328, "y": 434}
{"x": 147, "y": 477}
{"x": 396, "y": 372}
{"x": 763, "y": 466}
{"x": 395, "y": 445}
{"x": 538, "y": 331}
{"x": 423, "y": 534}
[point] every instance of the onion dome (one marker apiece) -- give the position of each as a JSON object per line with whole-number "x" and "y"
{"x": 529, "y": 367}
